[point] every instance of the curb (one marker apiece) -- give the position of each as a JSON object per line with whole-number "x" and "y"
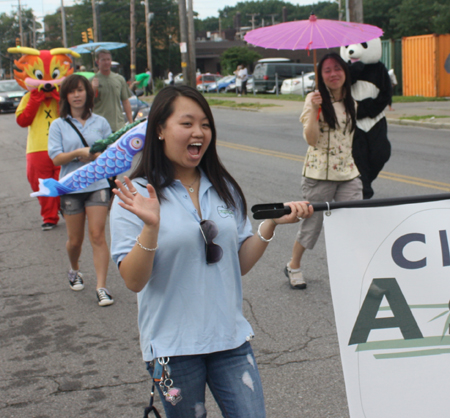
{"x": 419, "y": 124}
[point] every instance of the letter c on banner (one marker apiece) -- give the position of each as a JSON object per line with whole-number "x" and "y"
{"x": 397, "y": 251}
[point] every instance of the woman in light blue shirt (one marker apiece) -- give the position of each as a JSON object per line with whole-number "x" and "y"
{"x": 182, "y": 240}
{"x": 69, "y": 141}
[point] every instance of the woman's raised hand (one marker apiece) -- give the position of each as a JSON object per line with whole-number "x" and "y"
{"x": 145, "y": 208}
{"x": 299, "y": 210}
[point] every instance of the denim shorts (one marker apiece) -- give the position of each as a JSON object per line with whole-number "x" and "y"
{"x": 74, "y": 203}
{"x": 231, "y": 375}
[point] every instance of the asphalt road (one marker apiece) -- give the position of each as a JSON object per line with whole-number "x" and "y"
{"x": 63, "y": 356}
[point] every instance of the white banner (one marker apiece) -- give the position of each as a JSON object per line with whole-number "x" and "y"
{"x": 389, "y": 271}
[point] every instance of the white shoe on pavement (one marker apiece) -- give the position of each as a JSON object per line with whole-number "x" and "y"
{"x": 295, "y": 277}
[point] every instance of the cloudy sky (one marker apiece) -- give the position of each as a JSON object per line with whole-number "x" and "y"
{"x": 205, "y": 8}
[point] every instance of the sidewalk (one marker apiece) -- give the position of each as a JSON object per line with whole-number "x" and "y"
{"x": 400, "y": 110}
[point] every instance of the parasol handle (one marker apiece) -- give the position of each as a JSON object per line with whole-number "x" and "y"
{"x": 315, "y": 75}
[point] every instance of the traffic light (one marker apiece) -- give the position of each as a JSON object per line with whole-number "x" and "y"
{"x": 84, "y": 37}
{"x": 90, "y": 33}
{"x": 17, "y": 41}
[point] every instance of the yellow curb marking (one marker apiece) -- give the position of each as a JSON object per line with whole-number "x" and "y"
{"x": 401, "y": 178}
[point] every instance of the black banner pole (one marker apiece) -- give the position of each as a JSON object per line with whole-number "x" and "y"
{"x": 276, "y": 210}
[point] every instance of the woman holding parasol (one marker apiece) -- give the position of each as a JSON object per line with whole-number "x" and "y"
{"x": 329, "y": 172}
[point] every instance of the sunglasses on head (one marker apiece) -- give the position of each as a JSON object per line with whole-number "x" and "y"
{"x": 209, "y": 231}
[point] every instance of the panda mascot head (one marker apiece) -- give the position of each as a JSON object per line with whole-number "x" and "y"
{"x": 366, "y": 52}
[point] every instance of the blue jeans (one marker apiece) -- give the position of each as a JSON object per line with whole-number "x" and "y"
{"x": 232, "y": 376}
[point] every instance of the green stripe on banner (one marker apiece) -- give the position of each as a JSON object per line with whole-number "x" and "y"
{"x": 413, "y": 343}
{"x": 433, "y": 352}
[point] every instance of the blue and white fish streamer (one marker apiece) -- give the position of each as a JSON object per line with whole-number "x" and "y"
{"x": 113, "y": 161}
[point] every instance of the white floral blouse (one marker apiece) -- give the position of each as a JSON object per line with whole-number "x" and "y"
{"x": 331, "y": 158}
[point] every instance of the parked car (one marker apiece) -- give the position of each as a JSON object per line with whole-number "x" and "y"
{"x": 139, "y": 108}
{"x": 10, "y": 95}
{"x": 266, "y": 73}
{"x": 231, "y": 88}
{"x": 250, "y": 84}
{"x": 178, "y": 79}
{"x": 207, "y": 78}
{"x": 221, "y": 84}
{"x": 211, "y": 79}
{"x": 299, "y": 85}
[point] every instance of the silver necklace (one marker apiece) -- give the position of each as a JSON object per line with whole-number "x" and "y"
{"x": 189, "y": 186}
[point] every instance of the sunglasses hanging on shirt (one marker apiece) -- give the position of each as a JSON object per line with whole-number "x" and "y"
{"x": 210, "y": 231}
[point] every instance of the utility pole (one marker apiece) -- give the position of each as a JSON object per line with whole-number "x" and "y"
{"x": 94, "y": 19}
{"x": 148, "y": 18}
{"x": 132, "y": 40}
{"x": 20, "y": 25}
{"x": 34, "y": 31}
{"x": 339, "y": 2}
{"x": 356, "y": 11}
{"x": 63, "y": 24}
{"x": 192, "y": 58}
{"x": 253, "y": 18}
{"x": 272, "y": 15}
{"x": 183, "y": 38}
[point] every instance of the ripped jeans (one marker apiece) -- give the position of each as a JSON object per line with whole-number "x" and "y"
{"x": 231, "y": 375}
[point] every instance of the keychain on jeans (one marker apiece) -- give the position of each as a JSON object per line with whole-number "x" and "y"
{"x": 162, "y": 374}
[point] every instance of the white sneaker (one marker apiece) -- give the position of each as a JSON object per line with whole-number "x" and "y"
{"x": 295, "y": 277}
{"x": 75, "y": 280}
{"x": 104, "y": 297}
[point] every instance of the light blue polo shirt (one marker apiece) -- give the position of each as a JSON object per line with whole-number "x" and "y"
{"x": 63, "y": 138}
{"x": 187, "y": 307}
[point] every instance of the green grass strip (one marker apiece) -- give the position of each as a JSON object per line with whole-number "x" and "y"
{"x": 414, "y": 99}
{"x": 424, "y": 117}
{"x": 233, "y": 104}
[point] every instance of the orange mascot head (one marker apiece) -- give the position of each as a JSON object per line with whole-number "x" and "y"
{"x": 42, "y": 70}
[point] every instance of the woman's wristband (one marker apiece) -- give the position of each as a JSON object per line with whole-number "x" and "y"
{"x": 260, "y": 235}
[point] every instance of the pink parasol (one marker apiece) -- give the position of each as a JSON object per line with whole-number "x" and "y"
{"x": 312, "y": 34}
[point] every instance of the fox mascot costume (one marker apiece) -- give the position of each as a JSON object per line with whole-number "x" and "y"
{"x": 41, "y": 73}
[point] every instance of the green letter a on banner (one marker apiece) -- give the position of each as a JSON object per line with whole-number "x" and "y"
{"x": 367, "y": 319}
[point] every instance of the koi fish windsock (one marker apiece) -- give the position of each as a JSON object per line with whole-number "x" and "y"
{"x": 113, "y": 161}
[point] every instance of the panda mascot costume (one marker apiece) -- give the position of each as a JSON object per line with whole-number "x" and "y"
{"x": 372, "y": 89}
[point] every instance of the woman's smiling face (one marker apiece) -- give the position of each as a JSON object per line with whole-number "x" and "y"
{"x": 333, "y": 74}
{"x": 186, "y": 135}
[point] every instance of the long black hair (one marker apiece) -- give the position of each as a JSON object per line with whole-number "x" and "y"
{"x": 158, "y": 169}
{"x": 327, "y": 107}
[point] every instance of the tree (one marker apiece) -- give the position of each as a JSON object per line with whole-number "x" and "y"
{"x": 236, "y": 55}
{"x": 380, "y": 13}
{"x": 413, "y": 17}
{"x": 400, "y": 18}
{"x": 9, "y": 31}
{"x": 114, "y": 26}
{"x": 441, "y": 19}
{"x": 265, "y": 8}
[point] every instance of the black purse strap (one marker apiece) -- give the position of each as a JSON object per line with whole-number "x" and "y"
{"x": 77, "y": 131}
{"x": 151, "y": 408}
